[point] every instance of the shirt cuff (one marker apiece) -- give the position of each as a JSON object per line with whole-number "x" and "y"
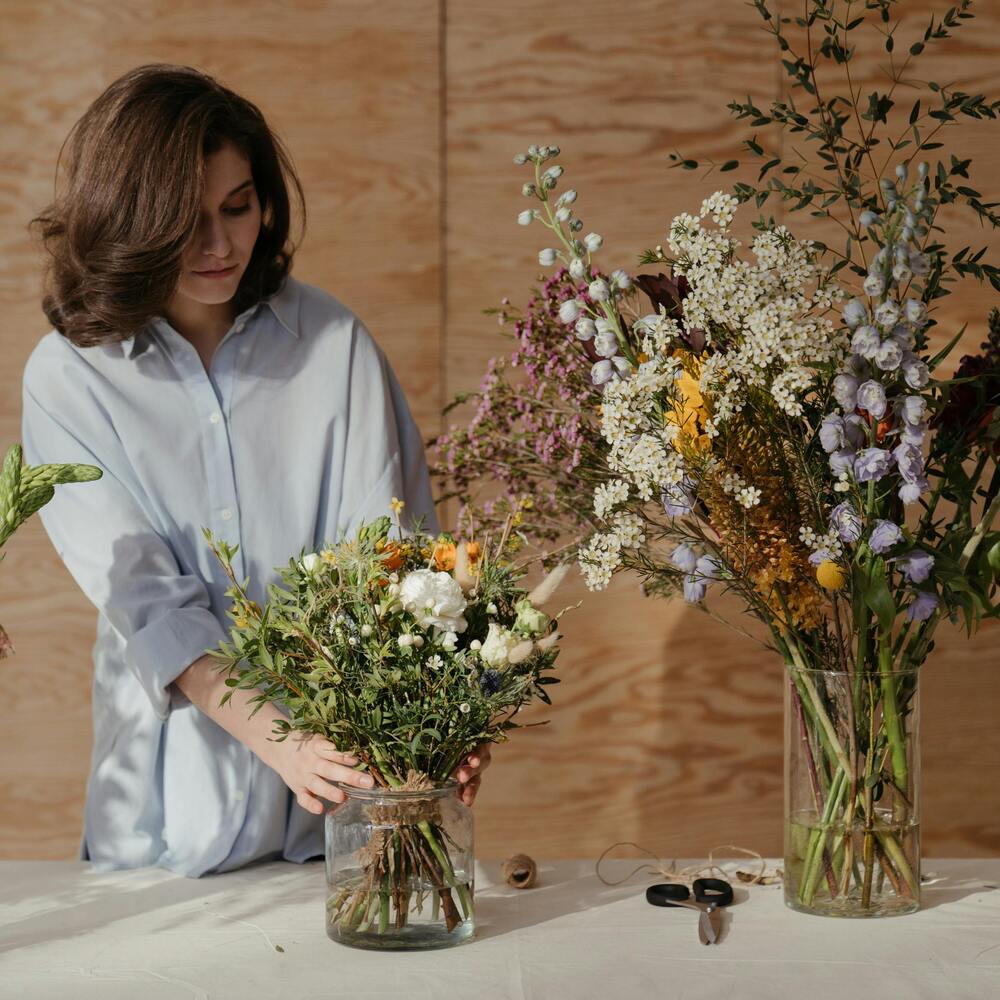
{"x": 162, "y": 650}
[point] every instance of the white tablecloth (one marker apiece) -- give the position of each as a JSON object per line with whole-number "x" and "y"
{"x": 66, "y": 932}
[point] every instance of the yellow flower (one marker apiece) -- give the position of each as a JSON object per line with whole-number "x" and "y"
{"x": 831, "y": 575}
{"x": 690, "y": 412}
{"x": 397, "y": 505}
{"x": 328, "y": 556}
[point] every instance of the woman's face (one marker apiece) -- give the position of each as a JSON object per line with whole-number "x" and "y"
{"x": 226, "y": 233}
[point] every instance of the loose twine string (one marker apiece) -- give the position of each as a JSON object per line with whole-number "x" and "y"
{"x": 689, "y": 873}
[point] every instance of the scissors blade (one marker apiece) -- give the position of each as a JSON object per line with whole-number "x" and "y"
{"x": 706, "y": 932}
{"x": 715, "y": 921}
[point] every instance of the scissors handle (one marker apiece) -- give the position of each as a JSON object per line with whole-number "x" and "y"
{"x": 713, "y": 890}
{"x": 668, "y": 894}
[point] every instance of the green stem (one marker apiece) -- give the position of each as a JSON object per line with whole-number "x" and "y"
{"x": 890, "y": 716}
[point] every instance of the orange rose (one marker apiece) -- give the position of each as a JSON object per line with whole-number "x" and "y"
{"x": 392, "y": 556}
{"x": 444, "y": 556}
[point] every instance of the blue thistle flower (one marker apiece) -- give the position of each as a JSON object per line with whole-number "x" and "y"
{"x": 489, "y": 682}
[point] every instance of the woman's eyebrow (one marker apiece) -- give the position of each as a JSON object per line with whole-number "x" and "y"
{"x": 239, "y": 188}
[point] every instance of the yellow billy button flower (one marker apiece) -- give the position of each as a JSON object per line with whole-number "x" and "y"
{"x": 831, "y": 575}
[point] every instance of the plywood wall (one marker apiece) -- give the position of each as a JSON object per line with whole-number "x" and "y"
{"x": 402, "y": 118}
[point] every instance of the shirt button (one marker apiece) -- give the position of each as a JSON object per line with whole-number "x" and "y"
{"x": 226, "y": 514}
{"x": 215, "y": 417}
{"x": 239, "y": 795}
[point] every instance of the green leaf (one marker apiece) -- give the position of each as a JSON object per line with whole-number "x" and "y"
{"x": 877, "y": 596}
{"x": 993, "y": 557}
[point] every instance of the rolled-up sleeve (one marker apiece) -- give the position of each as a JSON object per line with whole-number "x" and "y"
{"x": 105, "y": 536}
{"x": 384, "y": 454}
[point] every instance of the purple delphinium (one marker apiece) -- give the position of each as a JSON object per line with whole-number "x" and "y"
{"x": 871, "y": 464}
{"x": 678, "y": 498}
{"x": 924, "y": 604}
{"x": 696, "y": 583}
{"x": 821, "y": 555}
{"x": 844, "y": 518}
{"x": 684, "y": 558}
{"x": 871, "y": 397}
{"x": 884, "y": 536}
{"x": 845, "y": 391}
{"x": 842, "y": 461}
{"x": 832, "y": 432}
{"x": 916, "y": 566}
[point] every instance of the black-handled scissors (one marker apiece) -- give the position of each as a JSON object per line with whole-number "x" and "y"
{"x": 709, "y": 894}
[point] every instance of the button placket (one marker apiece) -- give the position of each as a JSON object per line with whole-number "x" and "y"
{"x": 222, "y": 391}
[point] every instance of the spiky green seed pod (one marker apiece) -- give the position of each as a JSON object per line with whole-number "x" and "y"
{"x": 56, "y": 475}
{"x": 24, "y": 490}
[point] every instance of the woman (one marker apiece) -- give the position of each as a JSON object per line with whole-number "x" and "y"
{"x": 214, "y": 390}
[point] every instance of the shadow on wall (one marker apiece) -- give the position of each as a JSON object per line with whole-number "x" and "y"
{"x": 716, "y": 765}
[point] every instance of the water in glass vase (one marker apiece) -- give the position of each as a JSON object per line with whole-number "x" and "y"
{"x": 415, "y": 916}
{"x": 859, "y": 872}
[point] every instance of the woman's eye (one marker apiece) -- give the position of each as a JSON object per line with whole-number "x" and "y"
{"x": 238, "y": 211}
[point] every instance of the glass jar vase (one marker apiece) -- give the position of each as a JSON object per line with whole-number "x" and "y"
{"x": 852, "y": 792}
{"x": 399, "y": 869}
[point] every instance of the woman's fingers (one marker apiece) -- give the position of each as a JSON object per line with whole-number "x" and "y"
{"x": 309, "y": 802}
{"x": 317, "y": 786}
{"x": 474, "y": 764}
{"x": 328, "y": 751}
{"x": 471, "y": 789}
{"x": 345, "y": 775}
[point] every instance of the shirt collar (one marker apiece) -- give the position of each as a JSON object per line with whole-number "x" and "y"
{"x": 284, "y": 303}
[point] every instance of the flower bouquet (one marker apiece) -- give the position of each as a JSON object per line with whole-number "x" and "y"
{"x": 778, "y": 426}
{"x": 408, "y": 652}
{"x": 24, "y": 490}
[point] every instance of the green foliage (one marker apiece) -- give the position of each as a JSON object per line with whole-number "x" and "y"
{"x": 844, "y": 130}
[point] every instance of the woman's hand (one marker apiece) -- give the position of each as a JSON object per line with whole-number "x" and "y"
{"x": 308, "y": 765}
{"x": 470, "y": 773}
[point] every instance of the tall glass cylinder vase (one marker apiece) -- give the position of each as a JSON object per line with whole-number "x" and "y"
{"x": 399, "y": 869}
{"x": 852, "y": 792}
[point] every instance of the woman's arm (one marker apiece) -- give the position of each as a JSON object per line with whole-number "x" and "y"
{"x": 307, "y": 763}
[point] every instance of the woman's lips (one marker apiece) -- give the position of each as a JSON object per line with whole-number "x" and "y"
{"x": 216, "y": 274}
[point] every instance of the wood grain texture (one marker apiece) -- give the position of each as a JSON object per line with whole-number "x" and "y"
{"x": 667, "y": 727}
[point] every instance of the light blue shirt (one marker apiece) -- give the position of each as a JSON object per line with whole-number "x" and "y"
{"x": 297, "y": 433}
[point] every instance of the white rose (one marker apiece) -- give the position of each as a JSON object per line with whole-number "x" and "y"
{"x": 311, "y": 562}
{"x": 498, "y": 645}
{"x": 434, "y": 599}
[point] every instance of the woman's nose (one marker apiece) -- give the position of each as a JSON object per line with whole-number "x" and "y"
{"x": 214, "y": 240}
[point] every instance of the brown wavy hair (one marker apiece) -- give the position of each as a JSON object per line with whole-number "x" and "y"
{"x": 132, "y": 199}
